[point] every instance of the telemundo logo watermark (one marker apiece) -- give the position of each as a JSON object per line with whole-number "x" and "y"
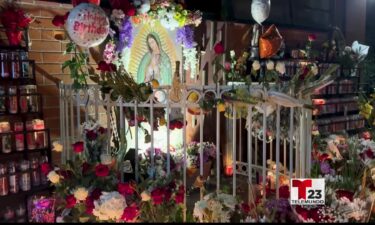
{"x": 307, "y": 192}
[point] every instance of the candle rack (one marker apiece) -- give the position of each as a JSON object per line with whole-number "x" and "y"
{"x": 23, "y": 135}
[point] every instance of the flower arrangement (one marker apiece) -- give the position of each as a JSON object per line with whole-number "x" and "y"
{"x": 14, "y": 20}
{"x": 42, "y": 210}
{"x": 352, "y": 56}
{"x": 162, "y": 200}
{"x": 193, "y": 153}
{"x": 215, "y": 208}
{"x": 160, "y": 160}
{"x": 95, "y": 139}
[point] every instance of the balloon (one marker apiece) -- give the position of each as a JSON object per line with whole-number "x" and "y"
{"x": 270, "y": 42}
{"x": 260, "y": 10}
{"x": 77, "y": 2}
{"x": 87, "y": 25}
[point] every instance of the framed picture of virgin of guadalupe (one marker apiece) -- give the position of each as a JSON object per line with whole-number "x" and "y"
{"x": 153, "y": 53}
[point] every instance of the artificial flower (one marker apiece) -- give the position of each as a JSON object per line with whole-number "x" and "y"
{"x": 70, "y": 201}
{"x": 59, "y": 21}
{"x": 280, "y": 67}
{"x": 53, "y": 177}
{"x": 219, "y": 48}
{"x": 101, "y": 170}
{"x": 78, "y": 147}
{"x": 130, "y": 213}
{"x": 256, "y": 65}
{"x": 91, "y": 135}
{"x": 45, "y": 168}
{"x": 125, "y": 189}
{"x": 311, "y": 37}
{"x": 81, "y": 193}
{"x": 110, "y": 206}
{"x": 145, "y": 195}
{"x": 270, "y": 65}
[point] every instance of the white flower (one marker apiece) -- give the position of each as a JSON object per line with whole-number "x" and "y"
{"x": 232, "y": 53}
{"x": 145, "y": 195}
{"x": 81, "y": 193}
{"x": 314, "y": 69}
{"x": 145, "y": 7}
{"x": 270, "y": 65}
{"x": 280, "y": 67}
{"x": 117, "y": 14}
{"x": 110, "y": 206}
{"x": 57, "y": 147}
{"x": 53, "y": 177}
{"x": 106, "y": 159}
{"x": 256, "y": 65}
{"x": 315, "y": 132}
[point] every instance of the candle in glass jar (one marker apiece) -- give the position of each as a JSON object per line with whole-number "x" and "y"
{"x": 15, "y": 65}
{"x": 13, "y": 103}
{"x": 3, "y": 108}
{"x": 35, "y": 175}
{"x": 6, "y": 142}
{"x": 25, "y": 179}
{"x": 30, "y": 136}
{"x": 4, "y": 185}
{"x": 4, "y": 64}
{"x": 40, "y": 135}
{"x": 20, "y": 139}
{"x": 13, "y": 178}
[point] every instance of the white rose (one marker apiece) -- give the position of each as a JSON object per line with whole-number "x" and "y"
{"x": 232, "y": 54}
{"x": 314, "y": 69}
{"x": 280, "y": 67}
{"x": 81, "y": 193}
{"x": 270, "y": 65}
{"x": 110, "y": 206}
{"x": 145, "y": 196}
{"x": 53, "y": 177}
{"x": 57, "y": 147}
{"x": 256, "y": 65}
{"x": 315, "y": 132}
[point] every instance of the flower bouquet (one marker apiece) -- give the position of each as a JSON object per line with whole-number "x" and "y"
{"x": 193, "y": 158}
{"x": 162, "y": 200}
{"x": 95, "y": 139}
{"x": 14, "y": 20}
{"x": 215, "y": 208}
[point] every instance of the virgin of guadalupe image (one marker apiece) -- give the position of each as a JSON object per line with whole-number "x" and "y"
{"x": 155, "y": 64}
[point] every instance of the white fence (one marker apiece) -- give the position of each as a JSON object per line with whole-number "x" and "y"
{"x": 294, "y": 145}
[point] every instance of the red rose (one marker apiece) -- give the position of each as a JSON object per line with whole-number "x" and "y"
{"x": 179, "y": 125}
{"x": 70, "y": 201}
{"x": 106, "y": 67}
{"x": 157, "y": 196}
{"x": 101, "y": 170}
{"x": 102, "y": 130}
{"x": 78, "y": 147}
{"x": 284, "y": 191}
{"x": 67, "y": 174}
{"x": 58, "y": 21}
{"x": 311, "y": 37}
{"x": 179, "y": 198}
{"x": 89, "y": 205}
{"x": 130, "y": 213}
{"x": 167, "y": 195}
{"x": 95, "y": 194}
{"x": 125, "y": 189}
{"x": 219, "y": 48}
{"x": 131, "y": 11}
{"x": 366, "y": 135}
{"x": 85, "y": 167}
{"x": 343, "y": 193}
{"x": 181, "y": 189}
{"x": 369, "y": 153}
{"x": 323, "y": 157}
{"x": 45, "y": 168}
{"x": 91, "y": 135}
{"x": 245, "y": 208}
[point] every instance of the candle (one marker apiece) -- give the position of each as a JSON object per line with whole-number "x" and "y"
{"x": 30, "y": 137}
{"x": 39, "y": 136}
{"x": 20, "y": 144}
{"x": 229, "y": 170}
{"x": 6, "y": 142}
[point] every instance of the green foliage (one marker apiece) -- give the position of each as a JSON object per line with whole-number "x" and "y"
{"x": 76, "y": 65}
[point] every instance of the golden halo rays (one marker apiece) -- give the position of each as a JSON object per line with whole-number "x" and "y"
{"x": 139, "y": 47}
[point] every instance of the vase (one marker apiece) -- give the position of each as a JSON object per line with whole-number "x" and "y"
{"x": 14, "y": 37}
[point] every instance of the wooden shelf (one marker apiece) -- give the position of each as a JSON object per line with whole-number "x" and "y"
{"x": 26, "y": 193}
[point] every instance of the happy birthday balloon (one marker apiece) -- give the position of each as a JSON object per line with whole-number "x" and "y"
{"x": 87, "y": 25}
{"x": 260, "y": 10}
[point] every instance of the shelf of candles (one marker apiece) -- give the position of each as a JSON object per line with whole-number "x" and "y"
{"x": 29, "y": 137}
{"x": 33, "y": 190}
